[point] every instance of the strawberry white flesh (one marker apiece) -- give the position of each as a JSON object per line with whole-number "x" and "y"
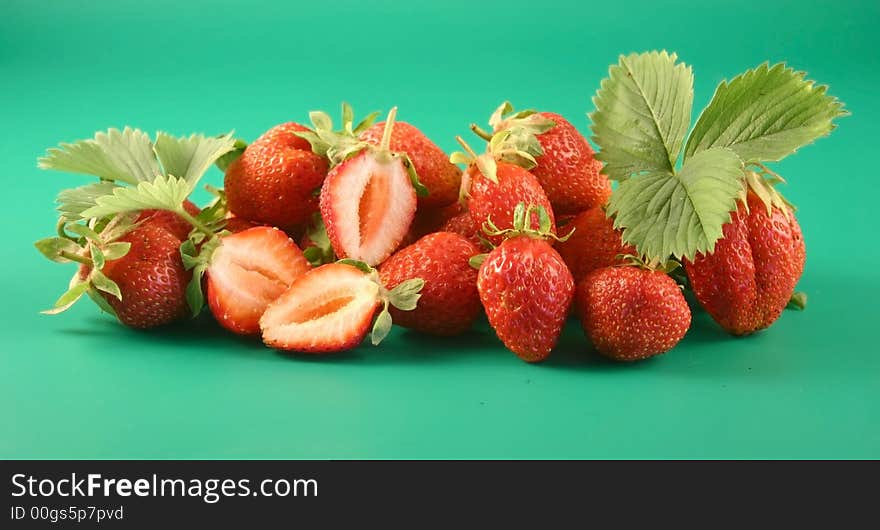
{"x": 368, "y": 203}
{"x": 328, "y": 309}
{"x": 249, "y": 270}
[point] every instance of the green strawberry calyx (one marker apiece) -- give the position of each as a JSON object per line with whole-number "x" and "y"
{"x": 405, "y": 297}
{"x": 514, "y": 136}
{"x": 337, "y": 145}
{"x": 524, "y": 216}
{"x": 485, "y": 164}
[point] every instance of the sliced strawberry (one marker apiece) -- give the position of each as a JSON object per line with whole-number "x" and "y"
{"x": 368, "y": 203}
{"x": 248, "y": 271}
{"x": 328, "y": 309}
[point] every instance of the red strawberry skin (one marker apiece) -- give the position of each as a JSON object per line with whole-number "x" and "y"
{"x": 747, "y": 281}
{"x": 526, "y": 290}
{"x": 593, "y": 244}
{"x": 237, "y": 224}
{"x": 436, "y": 172}
{"x": 151, "y": 278}
{"x": 568, "y": 170}
{"x": 274, "y": 181}
{"x": 328, "y": 309}
{"x": 463, "y": 224}
{"x": 631, "y": 313}
{"x": 172, "y": 222}
{"x": 248, "y": 271}
{"x": 449, "y": 303}
{"x": 498, "y": 200}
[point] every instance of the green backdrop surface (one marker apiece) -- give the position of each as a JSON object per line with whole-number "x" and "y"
{"x": 81, "y": 386}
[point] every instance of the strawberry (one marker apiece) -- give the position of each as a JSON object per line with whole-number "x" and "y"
{"x": 441, "y": 177}
{"x": 526, "y": 289}
{"x": 593, "y": 244}
{"x": 330, "y": 308}
{"x": 463, "y": 224}
{"x": 237, "y": 224}
{"x": 449, "y": 303}
{"x": 151, "y": 278}
{"x": 274, "y": 181}
{"x": 172, "y": 222}
{"x": 631, "y": 313}
{"x": 750, "y": 277}
{"x": 368, "y": 202}
{"x": 559, "y": 157}
{"x": 494, "y": 188}
{"x": 247, "y": 271}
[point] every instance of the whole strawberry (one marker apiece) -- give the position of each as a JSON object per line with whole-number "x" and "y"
{"x": 172, "y": 222}
{"x": 274, "y": 181}
{"x": 494, "y": 188}
{"x": 441, "y": 177}
{"x": 564, "y": 162}
{"x": 462, "y": 223}
{"x": 449, "y": 303}
{"x": 631, "y": 313}
{"x": 593, "y": 243}
{"x": 526, "y": 289}
{"x": 151, "y": 278}
{"x": 750, "y": 277}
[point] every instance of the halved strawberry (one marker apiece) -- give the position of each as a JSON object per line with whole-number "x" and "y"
{"x": 369, "y": 201}
{"x": 331, "y": 308}
{"x": 248, "y": 271}
{"x": 436, "y": 172}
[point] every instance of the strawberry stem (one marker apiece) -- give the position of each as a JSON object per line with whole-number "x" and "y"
{"x": 482, "y": 133}
{"x": 72, "y": 256}
{"x": 385, "y": 145}
{"x": 466, "y": 147}
{"x": 201, "y": 227}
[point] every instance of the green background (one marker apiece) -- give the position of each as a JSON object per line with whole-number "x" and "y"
{"x": 81, "y": 386}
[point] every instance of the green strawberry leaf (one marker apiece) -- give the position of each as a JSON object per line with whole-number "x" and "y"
{"x": 197, "y": 259}
{"x": 797, "y": 301}
{"x": 225, "y": 160}
{"x": 163, "y": 193}
{"x": 68, "y": 298}
{"x": 406, "y": 295}
{"x": 97, "y": 254}
{"x": 73, "y": 202}
{"x": 477, "y": 260}
{"x": 322, "y": 251}
{"x": 765, "y": 114}
{"x": 125, "y": 156}
{"x": 360, "y": 265}
{"x": 643, "y": 110}
{"x": 100, "y": 301}
{"x": 665, "y": 214}
{"x": 421, "y": 190}
{"x": 189, "y": 157}
{"x": 381, "y": 327}
{"x": 116, "y": 250}
{"x": 84, "y": 231}
{"x": 54, "y": 248}
{"x": 103, "y": 283}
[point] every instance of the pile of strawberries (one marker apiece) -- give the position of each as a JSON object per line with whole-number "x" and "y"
{"x": 321, "y": 236}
